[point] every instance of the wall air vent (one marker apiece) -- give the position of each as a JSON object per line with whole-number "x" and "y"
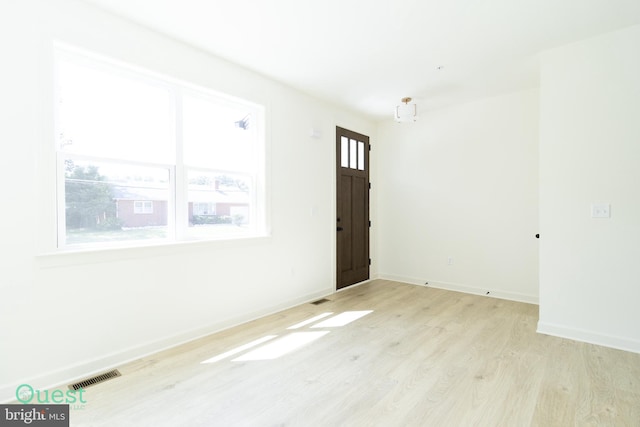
{"x": 95, "y": 380}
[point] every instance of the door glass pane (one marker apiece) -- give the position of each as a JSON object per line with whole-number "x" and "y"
{"x": 361, "y": 155}
{"x": 344, "y": 152}
{"x": 110, "y": 202}
{"x": 353, "y": 158}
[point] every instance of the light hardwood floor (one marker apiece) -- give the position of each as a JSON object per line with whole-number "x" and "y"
{"x": 422, "y": 357}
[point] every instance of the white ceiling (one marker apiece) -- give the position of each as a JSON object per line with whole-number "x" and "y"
{"x": 367, "y": 54}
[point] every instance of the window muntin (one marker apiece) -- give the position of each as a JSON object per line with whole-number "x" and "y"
{"x": 143, "y": 207}
{"x": 352, "y": 153}
{"x": 137, "y": 152}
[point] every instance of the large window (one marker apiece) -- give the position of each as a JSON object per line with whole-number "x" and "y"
{"x": 143, "y": 158}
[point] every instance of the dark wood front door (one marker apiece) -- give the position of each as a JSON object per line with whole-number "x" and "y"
{"x": 352, "y": 221}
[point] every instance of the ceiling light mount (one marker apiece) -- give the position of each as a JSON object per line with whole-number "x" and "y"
{"x": 406, "y": 112}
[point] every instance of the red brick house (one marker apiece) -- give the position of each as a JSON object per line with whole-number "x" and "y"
{"x": 138, "y": 206}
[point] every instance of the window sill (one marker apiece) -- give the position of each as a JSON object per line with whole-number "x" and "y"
{"x": 72, "y": 257}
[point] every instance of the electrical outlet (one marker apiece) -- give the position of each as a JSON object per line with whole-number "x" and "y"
{"x": 600, "y": 210}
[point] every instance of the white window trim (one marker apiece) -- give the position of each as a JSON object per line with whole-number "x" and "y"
{"x": 259, "y": 208}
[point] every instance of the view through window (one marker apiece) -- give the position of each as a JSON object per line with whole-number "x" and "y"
{"x": 143, "y": 158}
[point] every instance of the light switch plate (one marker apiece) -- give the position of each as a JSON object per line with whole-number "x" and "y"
{"x": 600, "y": 210}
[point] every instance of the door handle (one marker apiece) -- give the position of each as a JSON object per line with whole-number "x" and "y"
{"x": 537, "y": 236}
{"x": 339, "y": 228}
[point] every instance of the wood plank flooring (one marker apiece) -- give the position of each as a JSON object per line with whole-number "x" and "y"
{"x": 422, "y": 357}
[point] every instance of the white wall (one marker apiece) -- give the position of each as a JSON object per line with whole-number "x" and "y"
{"x": 65, "y": 316}
{"x": 462, "y": 183}
{"x": 590, "y": 152}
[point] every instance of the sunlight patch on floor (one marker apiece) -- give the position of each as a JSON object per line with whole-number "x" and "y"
{"x": 240, "y": 349}
{"x": 292, "y": 341}
{"x": 282, "y": 346}
{"x": 342, "y": 319}
{"x": 308, "y": 321}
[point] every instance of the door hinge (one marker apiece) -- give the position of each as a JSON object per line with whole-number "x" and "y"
{"x": 369, "y": 186}
{"x": 369, "y": 147}
{"x": 369, "y": 261}
{"x": 369, "y": 223}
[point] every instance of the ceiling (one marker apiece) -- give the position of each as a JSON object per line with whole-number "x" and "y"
{"x": 367, "y": 54}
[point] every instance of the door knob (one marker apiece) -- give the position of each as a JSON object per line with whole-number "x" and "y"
{"x": 537, "y": 236}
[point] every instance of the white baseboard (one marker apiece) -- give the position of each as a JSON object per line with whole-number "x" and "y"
{"x": 346, "y": 288}
{"x": 495, "y": 293}
{"x": 590, "y": 337}
{"x": 67, "y": 375}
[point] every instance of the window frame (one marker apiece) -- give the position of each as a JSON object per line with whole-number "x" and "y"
{"x": 146, "y": 207}
{"x": 178, "y": 206}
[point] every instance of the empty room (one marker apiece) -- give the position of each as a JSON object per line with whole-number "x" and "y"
{"x": 338, "y": 213}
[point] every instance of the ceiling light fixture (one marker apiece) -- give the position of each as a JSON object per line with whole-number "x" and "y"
{"x": 406, "y": 112}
